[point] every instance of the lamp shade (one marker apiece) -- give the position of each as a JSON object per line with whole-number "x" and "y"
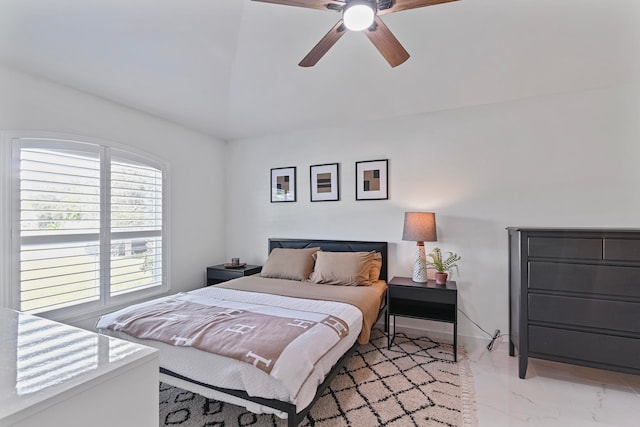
{"x": 419, "y": 227}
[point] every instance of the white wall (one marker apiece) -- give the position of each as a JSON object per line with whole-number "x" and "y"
{"x": 196, "y": 161}
{"x": 562, "y": 160}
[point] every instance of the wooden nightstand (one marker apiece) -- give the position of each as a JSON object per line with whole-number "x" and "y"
{"x": 423, "y": 301}
{"x": 218, "y": 273}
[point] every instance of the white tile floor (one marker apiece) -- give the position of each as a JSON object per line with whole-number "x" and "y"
{"x": 552, "y": 395}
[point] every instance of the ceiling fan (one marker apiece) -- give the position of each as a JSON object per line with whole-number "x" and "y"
{"x": 360, "y": 15}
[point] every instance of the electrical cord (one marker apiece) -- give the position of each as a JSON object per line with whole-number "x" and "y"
{"x": 493, "y": 340}
{"x": 493, "y": 337}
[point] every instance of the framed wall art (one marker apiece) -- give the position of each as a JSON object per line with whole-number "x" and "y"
{"x": 283, "y": 184}
{"x": 372, "y": 180}
{"x": 324, "y": 182}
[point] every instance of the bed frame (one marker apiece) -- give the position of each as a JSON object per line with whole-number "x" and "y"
{"x": 295, "y": 418}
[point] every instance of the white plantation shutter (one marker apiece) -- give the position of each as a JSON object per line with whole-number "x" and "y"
{"x": 91, "y": 224}
{"x": 136, "y": 224}
{"x": 59, "y": 225}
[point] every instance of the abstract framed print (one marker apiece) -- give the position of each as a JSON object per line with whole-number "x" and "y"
{"x": 372, "y": 180}
{"x": 283, "y": 184}
{"x": 325, "y": 182}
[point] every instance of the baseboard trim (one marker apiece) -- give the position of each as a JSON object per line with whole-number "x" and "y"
{"x": 440, "y": 336}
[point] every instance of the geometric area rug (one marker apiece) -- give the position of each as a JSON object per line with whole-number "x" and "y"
{"x": 415, "y": 383}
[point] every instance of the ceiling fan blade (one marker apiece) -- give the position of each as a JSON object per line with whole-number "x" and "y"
{"x": 399, "y": 5}
{"x": 388, "y": 45}
{"x": 310, "y": 4}
{"x": 323, "y": 45}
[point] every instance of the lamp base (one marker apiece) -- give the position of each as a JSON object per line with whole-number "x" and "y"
{"x": 420, "y": 265}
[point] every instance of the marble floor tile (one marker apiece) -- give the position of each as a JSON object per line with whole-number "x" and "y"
{"x": 552, "y": 395}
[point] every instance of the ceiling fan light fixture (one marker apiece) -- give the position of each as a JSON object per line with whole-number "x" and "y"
{"x": 358, "y": 15}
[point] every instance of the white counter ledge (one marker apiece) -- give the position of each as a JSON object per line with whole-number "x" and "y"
{"x": 58, "y": 375}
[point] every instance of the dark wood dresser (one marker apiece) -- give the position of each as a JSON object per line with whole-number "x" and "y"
{"x": 574, "y": 297}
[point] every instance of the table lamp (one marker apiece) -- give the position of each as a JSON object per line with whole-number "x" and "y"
{"x": 419, "y": 227}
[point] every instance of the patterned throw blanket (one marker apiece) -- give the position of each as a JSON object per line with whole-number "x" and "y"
{"x": 250, "y": 333}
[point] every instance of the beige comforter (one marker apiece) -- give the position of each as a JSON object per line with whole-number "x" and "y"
{"x": 367, "y": 299}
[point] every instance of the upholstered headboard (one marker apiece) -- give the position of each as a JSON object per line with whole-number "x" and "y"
{"x": 335, "y": 246}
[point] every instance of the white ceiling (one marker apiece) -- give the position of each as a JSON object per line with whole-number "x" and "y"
{"x": 229, "y": 67}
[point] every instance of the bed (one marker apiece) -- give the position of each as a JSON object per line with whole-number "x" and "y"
{"x": 290, "y": 382}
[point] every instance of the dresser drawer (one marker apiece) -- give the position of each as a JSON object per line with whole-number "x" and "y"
{"x": 621, "y": 250}
{"x": 565, "y": 247}
{"x": 585, "y": 346}
{"x": 592, "y": 313}
{"x": 592, "y": 279}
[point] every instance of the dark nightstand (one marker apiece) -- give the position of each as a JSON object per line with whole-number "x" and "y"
{"x": 423, "y": 301}
{"x": 218, "y": 273}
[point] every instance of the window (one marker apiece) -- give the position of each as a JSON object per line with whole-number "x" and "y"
{"x": 89, "y": 230}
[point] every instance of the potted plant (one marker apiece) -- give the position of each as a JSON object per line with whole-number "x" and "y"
{"x": 442, "y": 265}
